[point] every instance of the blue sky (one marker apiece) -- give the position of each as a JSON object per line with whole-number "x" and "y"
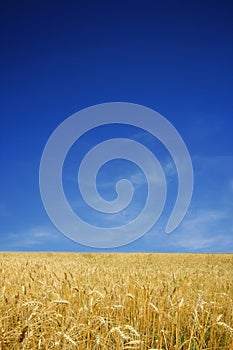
{"x": 172, "y": 56}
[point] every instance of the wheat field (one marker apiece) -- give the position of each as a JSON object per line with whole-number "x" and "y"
{"x": 116, "y": 301}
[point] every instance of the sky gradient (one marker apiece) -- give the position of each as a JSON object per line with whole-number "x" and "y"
{"x": 60, "y": 57}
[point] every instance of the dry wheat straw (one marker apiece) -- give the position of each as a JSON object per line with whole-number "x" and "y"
{"x": 116, "y": 301}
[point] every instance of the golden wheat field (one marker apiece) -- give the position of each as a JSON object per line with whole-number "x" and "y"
{"x": 116, "y": 301}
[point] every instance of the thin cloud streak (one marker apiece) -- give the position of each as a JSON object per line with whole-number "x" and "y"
{"x": 30, "y": 238}
{"x": 202, "y": 230}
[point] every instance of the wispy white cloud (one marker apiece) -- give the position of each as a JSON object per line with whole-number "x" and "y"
{"x": 201, "y": 230}
{"x": 205, "y": 230}
{"x": 30, "y": 238}
{"x": 144, "y": 135}
{"x": 208, "y": 225}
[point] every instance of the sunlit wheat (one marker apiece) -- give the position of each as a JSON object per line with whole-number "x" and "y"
{"x": 116, "y": 301}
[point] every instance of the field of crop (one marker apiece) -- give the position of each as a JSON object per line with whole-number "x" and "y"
{"x": 116, "y": 301}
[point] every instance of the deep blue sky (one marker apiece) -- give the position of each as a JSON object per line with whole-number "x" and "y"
{"x": 172, "y": 56}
